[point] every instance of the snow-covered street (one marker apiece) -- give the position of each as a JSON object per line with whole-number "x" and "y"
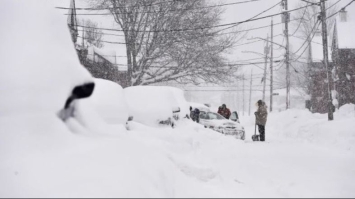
{"x": 78, "y": 120}
{"x": 188, "y": 161}
{"x": 281, "y": 167}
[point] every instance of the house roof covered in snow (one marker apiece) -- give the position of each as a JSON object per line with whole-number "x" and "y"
{"x": 109, "y": 55}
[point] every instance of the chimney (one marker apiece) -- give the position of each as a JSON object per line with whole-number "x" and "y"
{"x": 343, "y": 15}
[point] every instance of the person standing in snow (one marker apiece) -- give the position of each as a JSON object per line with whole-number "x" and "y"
{"x": 195, "y": 114}
{"x": 192, "y": 114}
{"x": 261, "y": 118}
{"x": 225, "y": 112}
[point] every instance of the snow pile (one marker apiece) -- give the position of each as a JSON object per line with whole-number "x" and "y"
{"x": 109, "y": 102}
{"x": 304, "y": 126}
{"x": 39, "y": 66}
{"x": 151, "y": 104}
{"x": 46, "y": 161}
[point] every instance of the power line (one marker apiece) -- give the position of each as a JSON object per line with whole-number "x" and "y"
{"x": 201, "y": 28}
{"x": 195, "y": 8}
{"x": 302, "y": 18}
{"x": 333, "y": 4}
{"x": 343, "y": 8}
{"x": 313, "y": 30}
{"x": 235, "y": 32}
{"x": 103, "y": 41}
{"x": 172, "y": 10}
{"x": 255, "y": 15}
{"x": 307, "y": 44}
{"x": 153, "y": 4}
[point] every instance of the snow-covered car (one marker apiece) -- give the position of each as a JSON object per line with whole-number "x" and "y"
{"x": 220, "y": 124}
{"x": 156, "y": 105}
{"x": 199, "y": 106}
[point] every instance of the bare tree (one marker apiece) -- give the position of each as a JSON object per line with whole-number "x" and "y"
{"x": 93, "y": 35}
{"x": 172, "y": 40}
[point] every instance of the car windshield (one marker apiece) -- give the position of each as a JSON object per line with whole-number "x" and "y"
{"x": 214, "y": 116}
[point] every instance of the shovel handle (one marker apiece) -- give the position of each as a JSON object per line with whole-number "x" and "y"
{"x": 255, "y": 126}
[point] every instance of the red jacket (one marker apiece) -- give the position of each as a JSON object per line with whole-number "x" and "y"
{"x": 225, "y": 112}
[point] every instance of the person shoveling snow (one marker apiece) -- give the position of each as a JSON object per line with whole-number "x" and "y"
{"x": 261, "y": 119}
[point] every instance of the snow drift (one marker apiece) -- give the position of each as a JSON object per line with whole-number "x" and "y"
{"x": 109, "y": 102}
{"x": 39, "y": 63}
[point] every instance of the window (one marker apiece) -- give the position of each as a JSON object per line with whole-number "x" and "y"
{"x": 215, "y": 116}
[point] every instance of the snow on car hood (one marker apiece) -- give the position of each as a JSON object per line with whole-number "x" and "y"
{"x": 150, "y": 104}
{"x": 217, "y": 123}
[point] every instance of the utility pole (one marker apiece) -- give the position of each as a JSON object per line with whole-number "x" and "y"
{"x": 238, "y": 96}
{"x": 251, "y": 85}
{"x": 271, "y": 65}
{"x": 266, "y": 52}
{"x": 243, "y": 95}
{"x": 326, "y": 61}
{"x": 288, "y": 76}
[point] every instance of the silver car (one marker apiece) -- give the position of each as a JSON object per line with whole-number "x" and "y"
{"x": 220, "y": 124}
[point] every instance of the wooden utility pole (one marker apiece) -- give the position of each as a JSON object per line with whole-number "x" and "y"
{"x": 271, "y": 66}
{"x": 237, "y": 105}
{"x": 243, "y": 95}
{"x": 326, "y": 60}
{"x": 288, "y": 74}
{"x": 266, "y": 52}
{"x": 251, "y": 85}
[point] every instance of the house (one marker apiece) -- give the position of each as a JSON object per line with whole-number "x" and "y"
{"x": 99, "y": 62}
{"x": 319, "y": 93}
{"x": 343, "y": 54}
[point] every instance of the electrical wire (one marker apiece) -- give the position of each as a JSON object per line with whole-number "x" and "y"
{"x": 201, "y": 28}
{"x": 343, "y": 8}
{"x": 194, "y": 8}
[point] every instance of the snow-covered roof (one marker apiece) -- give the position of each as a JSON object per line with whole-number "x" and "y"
{"x": 109, "y": 55}
{"x": 317, "y": 49}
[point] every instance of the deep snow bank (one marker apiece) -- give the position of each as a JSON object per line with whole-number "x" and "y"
{"x": 109, "y": 102}
{"x": 39, "y": 66}
{"x": 302, "y": 125}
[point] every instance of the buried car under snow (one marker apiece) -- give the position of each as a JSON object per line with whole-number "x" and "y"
{"x": 156, "y": 105}
{"x": 220, "y": 124}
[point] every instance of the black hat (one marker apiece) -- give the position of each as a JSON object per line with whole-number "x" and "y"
{"x": 260, "y": 102}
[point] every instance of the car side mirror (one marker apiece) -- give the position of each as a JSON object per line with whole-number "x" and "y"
{"x": 80, "y": 92}
{"x": 130, "y": 118}
{"x": 234, "y": 117}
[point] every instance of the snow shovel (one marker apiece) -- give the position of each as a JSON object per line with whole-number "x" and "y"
{"x": 255, "y": 137}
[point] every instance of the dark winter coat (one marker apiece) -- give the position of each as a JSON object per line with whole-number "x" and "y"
{"x": 224, "y": 112}
{"x": 261, "y": 115}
